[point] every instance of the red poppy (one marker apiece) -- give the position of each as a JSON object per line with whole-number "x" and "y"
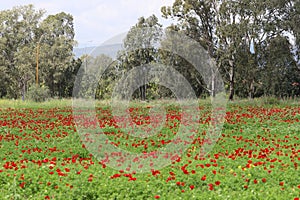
{"x": 22, "y": 185}
{"x": 210, "y": 186}
{"x": 132, "y": 179}
{"x": 264, "y": 180}
{"x": 192, "y": 187}
{"x": 156, "y": 196}
{"x": 115, "y": 176}
{"x": 281, "y": 183}
{"x": 79, "y": 172}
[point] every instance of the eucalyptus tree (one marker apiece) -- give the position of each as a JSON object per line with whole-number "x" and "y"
{"x": 56, "y": 50}
{"x": 17, "y": 44}
{"x": 140, "y": 48}
{"x": 198, "y": 20}
{"x": 237, "y": 33}
{"x": 29, "y": 42}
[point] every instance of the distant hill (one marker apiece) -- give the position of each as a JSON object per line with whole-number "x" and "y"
{"x": 109, "y": 50}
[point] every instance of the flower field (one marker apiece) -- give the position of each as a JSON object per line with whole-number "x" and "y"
{"x": 257, "y": 156}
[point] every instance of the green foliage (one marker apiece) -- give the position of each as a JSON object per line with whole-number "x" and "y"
{"x": 28, "y": 40}
{"x": 140, "y": 50}
{"x": 247, "y": 39}
{"x": 38, "y": 94}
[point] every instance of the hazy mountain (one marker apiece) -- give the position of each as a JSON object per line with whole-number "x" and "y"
{"x": 109, "y": 50}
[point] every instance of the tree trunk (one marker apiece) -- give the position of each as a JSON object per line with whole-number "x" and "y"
{"x": 213, "y": 80}
{"x": 23, "y": 92}
{"x": 231, "y": 81}
{"x": 251, "y": 90}
{"x": 142, "y": 93}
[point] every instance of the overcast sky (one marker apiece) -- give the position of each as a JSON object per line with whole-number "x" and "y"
{"x": 96, "y": 21}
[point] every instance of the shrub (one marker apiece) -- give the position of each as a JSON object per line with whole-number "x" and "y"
{"x": 38, "y": 94}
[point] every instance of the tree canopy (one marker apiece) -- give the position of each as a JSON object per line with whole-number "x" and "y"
{"x": 255, "y": 44}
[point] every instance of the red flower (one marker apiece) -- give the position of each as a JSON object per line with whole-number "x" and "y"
{"x": 156, "y": 196}
{"x": 192, "y": 187}
{"x": 281, "y": 183}
{"x": 264, "y": 180}
{"x": 172, "y": 173}
{"x": 210, "y": 186}
{"x": 155, "y": 172}
{"x": 255, "y": 181}
{"x": 132, "y": 179}
{"x": 296, "y": 198}
{"x": 22, "y": 185}
{"x": 203, "y": 178}
{"x": 217, "y": 183}
{"x": 115, "y": 176}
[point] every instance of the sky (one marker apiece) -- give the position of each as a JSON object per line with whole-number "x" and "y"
{"x": 96, "y": 21}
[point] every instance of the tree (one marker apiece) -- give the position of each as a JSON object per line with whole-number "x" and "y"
{"x": 236, "y": 33}
{"x": 280, "y": 70}
{"x": 18, "y": 31}
{"x": 198, "y": 20}
{"x": 22, "y": 32}
{"x": 139, "y": 47}
{"x": 57, "y": 43}
{"x": 98, "y": 70}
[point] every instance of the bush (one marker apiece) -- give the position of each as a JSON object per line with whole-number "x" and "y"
{"x": 38, "y": 94}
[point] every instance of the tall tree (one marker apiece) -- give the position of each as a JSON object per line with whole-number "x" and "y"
{"x": 236, "y": 32}
{"x": 18, "y": 32}
{"x": 139, "y": 47}
{"x": 56, "y": 49}
{"x": 23, "y": 34}
{"x": 198, "y": 20}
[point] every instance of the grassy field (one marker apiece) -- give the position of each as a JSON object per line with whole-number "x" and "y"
{"x": 257, "y": 155}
